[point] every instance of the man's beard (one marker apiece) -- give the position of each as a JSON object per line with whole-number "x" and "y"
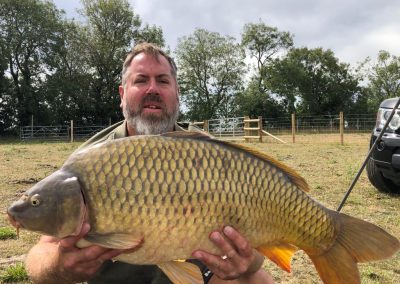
{"x": 150, "y": 124}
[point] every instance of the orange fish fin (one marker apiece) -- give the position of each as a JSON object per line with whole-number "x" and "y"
{"x": 291, "y": 173}
{"x": 180, "y": 272}
{"x": 115, "y": 240}
{"x": 280, "y": 253}
{"x": 357, "y": 241}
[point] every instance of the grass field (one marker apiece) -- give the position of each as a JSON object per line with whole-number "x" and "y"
{"x": 327, "y": 166}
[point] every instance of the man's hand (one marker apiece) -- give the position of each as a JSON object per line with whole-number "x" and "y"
{"x": 53, "y": 260}
{"x": 82, "y": 263}
{"x": 239, "y": 259}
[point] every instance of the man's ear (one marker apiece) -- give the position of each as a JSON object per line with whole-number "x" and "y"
{"x": 121, "y": 94}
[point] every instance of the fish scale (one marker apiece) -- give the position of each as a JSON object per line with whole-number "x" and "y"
{"x": 168, "y": 193}
{"x": 196, "y": 172}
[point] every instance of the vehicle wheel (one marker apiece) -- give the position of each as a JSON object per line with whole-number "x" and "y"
{"x": 378, "y": 180}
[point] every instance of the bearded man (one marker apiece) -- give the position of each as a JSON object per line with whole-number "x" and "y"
{"x": 150, "y": 105}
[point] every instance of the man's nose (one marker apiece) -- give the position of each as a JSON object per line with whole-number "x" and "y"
{"x": 152, "y": 87}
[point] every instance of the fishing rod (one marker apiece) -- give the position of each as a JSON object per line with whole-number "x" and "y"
{"x": 368, "y": 156}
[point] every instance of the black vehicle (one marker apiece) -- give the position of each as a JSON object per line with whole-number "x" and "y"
{"x": 383, "y": 167}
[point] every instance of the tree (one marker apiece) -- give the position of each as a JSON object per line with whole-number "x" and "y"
{"x": 316, "y": 79}
{"x": 29, "y": 30}
{"x": 383, "y": 78}
{"x": 254, "y": 103}
{"x": 67, "y": 87}
{"x": 263, "y": 44}
{"x": 6, "y": 102}
{"x": 152, "y": 34}
{"x": 111, "y": 25}
{"x": 211, "y": 71}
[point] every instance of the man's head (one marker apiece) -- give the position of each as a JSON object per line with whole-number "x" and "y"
{"x": 149, "y": 90}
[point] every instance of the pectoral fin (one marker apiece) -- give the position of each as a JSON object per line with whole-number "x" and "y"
{"x": 116, "y": 240}
{"x": 280, "y": 253}
{"x": 182, "y": 272}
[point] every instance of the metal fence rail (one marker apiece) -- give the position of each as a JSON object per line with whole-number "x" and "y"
{"x": 85, "y": 132}
{"x": 226, "y": 127}
{"x": 58, "y": 132}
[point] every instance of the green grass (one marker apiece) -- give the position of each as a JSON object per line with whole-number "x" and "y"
{"x": 327, "y": 166}
{"x": 7, "y": 233}
{"x": 14, "y": 274}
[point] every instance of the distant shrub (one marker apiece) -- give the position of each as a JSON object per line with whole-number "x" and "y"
{"x": 14, "y": 273}
{"x": 7, "y": 233}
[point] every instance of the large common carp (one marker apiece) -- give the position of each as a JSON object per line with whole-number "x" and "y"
{"x": 169, "y": 192}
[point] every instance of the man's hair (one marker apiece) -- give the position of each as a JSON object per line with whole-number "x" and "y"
{"x": 150, "y": 49}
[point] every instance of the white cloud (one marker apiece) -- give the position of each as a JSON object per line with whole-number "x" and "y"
{"x": 353, "y": 29}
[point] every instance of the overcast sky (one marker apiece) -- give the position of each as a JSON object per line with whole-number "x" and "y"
{"x": 353, "y": 29}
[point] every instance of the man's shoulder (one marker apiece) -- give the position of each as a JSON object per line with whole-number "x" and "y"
{"x": 187, "y": 126}
{"x": 117, "y": 130}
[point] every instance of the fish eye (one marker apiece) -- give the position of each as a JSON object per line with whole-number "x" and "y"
{"x": 35, "y": 200}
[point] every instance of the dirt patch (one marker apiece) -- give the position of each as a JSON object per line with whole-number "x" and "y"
{"x": 12, "y": 259}
{"x": 24, "y": 181}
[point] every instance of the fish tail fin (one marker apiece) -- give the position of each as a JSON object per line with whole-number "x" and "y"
{"x": 358, "y": 241}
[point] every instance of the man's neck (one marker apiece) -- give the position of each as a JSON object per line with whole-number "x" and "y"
{"x": 132, "y": 132}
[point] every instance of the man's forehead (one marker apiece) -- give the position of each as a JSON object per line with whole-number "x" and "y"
{"x": 144, "y": 62}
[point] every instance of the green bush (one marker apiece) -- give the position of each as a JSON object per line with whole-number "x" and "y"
{"x": 14, "y": 273}
{"x": 7, "y": 233}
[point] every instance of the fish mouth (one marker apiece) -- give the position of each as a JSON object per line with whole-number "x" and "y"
{"x": 14, "y": 221}
{"x": 17, "y": 225}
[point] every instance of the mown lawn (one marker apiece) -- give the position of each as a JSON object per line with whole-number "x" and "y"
{"x": 327, "y": 166}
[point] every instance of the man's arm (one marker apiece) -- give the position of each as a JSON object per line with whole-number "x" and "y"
{"x": 241, "y": 262}
{"x": 59, "y": 261}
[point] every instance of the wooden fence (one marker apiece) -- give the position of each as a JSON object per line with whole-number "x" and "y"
{"x": 254, "y": 129}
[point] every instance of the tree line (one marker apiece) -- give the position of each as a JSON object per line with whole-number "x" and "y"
{"x": 56, "y": 69}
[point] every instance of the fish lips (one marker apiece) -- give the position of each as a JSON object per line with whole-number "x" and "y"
{"x": 16, "y": 209}
{"x": 13, "y": 221}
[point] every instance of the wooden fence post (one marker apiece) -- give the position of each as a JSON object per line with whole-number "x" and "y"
{"x": 341, "y": 127}
{"x": 260, "y": 128}
{"x": 72, "y": 131}
{"x": 246, "y": 125}
{"x": 205, "y": 126}
{"x": 293, "y": 128}
{"x": 32, "y": 126}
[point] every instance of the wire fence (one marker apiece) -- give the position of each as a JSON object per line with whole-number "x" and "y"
{"x": 301, "y": 128}
{"x": 304, "y": 124}
{"x": 231, "y": 128}
{"x": 356, "y": 123}
{"x": 59, "y": 132}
